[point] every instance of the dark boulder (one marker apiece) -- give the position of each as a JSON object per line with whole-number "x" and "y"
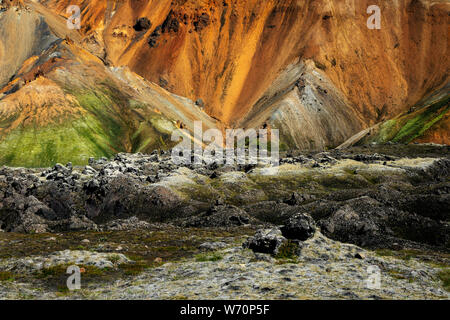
{"x": 356, "y": 222}
{"x": 125, "y": 197}
{"x": 266, "y": 241}
{"x": 21, "y": 214}
{"x": 301, "y": 226}
{"x": 367, "y": 222}
{"x": 142, "y": 24}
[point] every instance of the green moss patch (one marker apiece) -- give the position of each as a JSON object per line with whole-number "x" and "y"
{"x": 113, "y": 122}
{"x": 6, "y": 276}
{"x": 288, "y": 252}
{"x": 73, "y": 141}
{"x": 204, "y": 257}
{"x": 408, "y": 127}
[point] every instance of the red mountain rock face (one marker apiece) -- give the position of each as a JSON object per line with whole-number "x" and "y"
{"x": 312, "y": 69}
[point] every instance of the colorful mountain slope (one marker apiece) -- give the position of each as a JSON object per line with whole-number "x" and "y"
{"x": 66, "y": 105}
{"x": 426, "y": 121}
{"x": 311, "y": 69}
{"x": 228, "y": 53}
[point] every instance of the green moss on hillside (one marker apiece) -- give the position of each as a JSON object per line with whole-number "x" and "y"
{"x": 113, "y": 123}
{"x": 417, "y": 126}
{"x": 74, "y": 141}
{"x": 408, "y": 127}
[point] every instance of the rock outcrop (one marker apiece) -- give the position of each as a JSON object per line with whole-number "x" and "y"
{"x": 300, "y": 226}
{"x": 370, "y": 199}
{"x": 266, "y": 241}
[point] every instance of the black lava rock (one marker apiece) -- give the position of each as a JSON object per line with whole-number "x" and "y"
{"x": 265, "y": 241}
{"x": 301, "y": 226}
{"x": 142, "y": 24}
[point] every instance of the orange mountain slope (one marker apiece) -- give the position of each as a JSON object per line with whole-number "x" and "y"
{"x": 229, "y": 52}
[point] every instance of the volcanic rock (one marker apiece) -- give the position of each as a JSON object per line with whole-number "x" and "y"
{"x": 300, "y": 226}
{"x": 266, "y": 241}
{"x": 142, "y": 24}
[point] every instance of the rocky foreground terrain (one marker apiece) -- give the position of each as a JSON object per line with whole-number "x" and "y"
{"x": 143, "y": 227}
